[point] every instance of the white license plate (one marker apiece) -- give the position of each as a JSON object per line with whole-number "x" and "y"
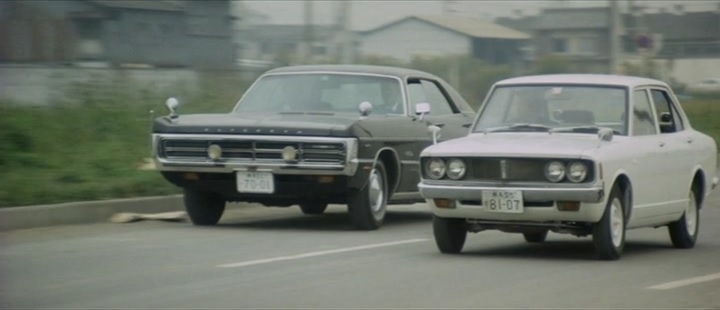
{"x": 503, "y": 201}
{"x": 255, "y": 182}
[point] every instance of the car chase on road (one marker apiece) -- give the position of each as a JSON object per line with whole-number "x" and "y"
{"x": 311, "y": 136}
{"x": 580, "y": 154}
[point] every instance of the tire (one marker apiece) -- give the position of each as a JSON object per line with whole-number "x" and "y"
{"x": 367, "y": 206}
{"x": 684, "y": 231}
{"x": 536, "y": 237}
{"x": 609, "y": 233}
{"x": 203, "y": 208}
{"x": 313, "y": 208}
{"x": 450, "y": 234}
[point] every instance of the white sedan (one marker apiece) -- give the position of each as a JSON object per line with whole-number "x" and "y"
{"x": 579, "y": 154}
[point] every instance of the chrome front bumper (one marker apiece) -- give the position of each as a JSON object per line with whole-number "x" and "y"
{"x": 582, "y": 194}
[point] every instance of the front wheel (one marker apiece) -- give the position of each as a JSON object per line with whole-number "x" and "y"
{"x": 450, "y": 234}
{"x": 367, "y": 206}
{"x": 203, "y": 208}
{"x": 609, "y": 233}
{"x": 684, "y": 231}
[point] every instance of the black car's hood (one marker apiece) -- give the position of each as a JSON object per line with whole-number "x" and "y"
{"x": 260, "y": 124}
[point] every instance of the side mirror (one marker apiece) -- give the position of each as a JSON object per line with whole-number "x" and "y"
{"x": 421, "y": 109}
{"x": 435, "y": 130}
{"x": 172, "y": 105}
{"x": 665, "y": 117}
{"x": 365, "y": 108}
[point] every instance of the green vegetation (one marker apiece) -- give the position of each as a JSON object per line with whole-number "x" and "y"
{"x": 90, "y": 143}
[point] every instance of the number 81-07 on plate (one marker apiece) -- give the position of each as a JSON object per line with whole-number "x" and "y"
{"x": 503, "y": 201}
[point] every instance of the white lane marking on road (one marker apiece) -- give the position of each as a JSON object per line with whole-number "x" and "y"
{"x": 686, "y": 282}
{"x": 318, "y": 253}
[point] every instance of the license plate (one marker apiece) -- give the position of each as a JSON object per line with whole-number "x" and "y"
{"x": 255, "y": 182}
{"x": 503, "y": 201}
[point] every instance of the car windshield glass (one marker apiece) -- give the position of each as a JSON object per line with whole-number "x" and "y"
{"x": 333, "y": 93}
{"x": 558, "y": 108}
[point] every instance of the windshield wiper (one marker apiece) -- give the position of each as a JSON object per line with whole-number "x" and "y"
{"x": 520, "y": 126}
{"x": 580, "y": 129}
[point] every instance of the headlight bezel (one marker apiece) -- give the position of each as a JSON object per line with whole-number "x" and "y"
{"x": 557, "y": 164}
{"x": 448, "y": 169}
{"x": 428, "y": 168}
{"x": 569, "y": 171}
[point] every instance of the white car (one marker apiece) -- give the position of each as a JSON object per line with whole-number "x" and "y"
{"x": 577, "y": 163}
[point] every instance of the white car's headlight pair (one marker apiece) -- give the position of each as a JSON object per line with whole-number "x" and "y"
{"x": 556, "y": 171}
{"x": 437, "y": 168}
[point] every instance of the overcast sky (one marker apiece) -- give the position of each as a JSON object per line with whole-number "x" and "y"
{"x": 366, "y": 14}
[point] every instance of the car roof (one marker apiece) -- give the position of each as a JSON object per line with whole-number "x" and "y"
{"x": 584, "y": 79}
{"x": 381, "y": 70}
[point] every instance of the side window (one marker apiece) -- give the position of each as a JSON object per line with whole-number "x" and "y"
{"x": 428, "y": 91}
{"x": 643, "y": 119}
{"x": 667, "y": 114}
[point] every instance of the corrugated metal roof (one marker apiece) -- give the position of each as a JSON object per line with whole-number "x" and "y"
{"x": 464, "y": 25}
{"x": 573, "y": 18}
{"x": 156, "y": 5}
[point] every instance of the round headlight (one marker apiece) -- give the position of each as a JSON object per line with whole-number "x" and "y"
{"x": 577, "y": 172}
{"x": 435, "y": 168}
{"x": 555, "y": 171}
{"x": 456, "y": 169}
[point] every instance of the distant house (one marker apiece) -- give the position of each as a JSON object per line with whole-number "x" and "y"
{"x": 287, "y": 43}
{"x": 441, "y": 36}
{"x": 582, "y": 35}
{"x": 117, "y": 32}
{"x": 683, "y": 35}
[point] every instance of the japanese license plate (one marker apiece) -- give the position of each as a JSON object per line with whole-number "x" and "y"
{"x": 503, "y": 201}
{"x": 255, "y": 182}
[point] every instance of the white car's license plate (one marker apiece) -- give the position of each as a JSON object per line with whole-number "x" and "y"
{"x": 503, "y": 201}
{"x": 255, "y": 182}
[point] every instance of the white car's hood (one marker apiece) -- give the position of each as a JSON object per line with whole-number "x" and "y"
{"x": 518, "y": 145}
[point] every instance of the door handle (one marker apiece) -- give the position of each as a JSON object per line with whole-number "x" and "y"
{"x": 689, "y": 139}
{"x": 661, "y": 144}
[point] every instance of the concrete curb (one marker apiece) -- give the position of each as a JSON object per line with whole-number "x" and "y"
{"x": 83, "y": 212}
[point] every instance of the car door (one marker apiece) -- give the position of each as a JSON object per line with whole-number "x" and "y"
{"x": 444, "y": 112}
{"x": 646, "y": 160}
{"x": 678, "y": 157}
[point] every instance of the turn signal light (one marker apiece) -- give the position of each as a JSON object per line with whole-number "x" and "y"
{"x": 326, "y": 179}
{"x": 444, "y": 203}
{"x": 568, "y": 205}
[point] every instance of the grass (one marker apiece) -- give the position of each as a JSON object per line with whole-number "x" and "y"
{"x": 88, "y": 145}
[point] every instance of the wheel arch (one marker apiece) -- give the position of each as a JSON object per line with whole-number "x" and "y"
{"x": 698, "y": 186}
{"x": 391, "y": 160}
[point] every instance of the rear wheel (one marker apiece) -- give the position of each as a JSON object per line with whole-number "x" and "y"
{"x": 367, "y": 207}
{"x": 684, "y": 231}
{"x": 313, "y": 208}
{"x": 450, "y": 234}
{"x": 609, "y": 233}
{"x": 536, "y": 237}
{"x": 203, "y": 208}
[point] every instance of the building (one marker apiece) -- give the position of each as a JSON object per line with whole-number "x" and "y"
{"x": 287, "y": 44}
{"x": 443, "y": 36}
{"x": 117, "y": 32}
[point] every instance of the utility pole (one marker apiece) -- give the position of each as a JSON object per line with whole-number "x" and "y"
{"x": 614, "y": 39}
{"x": 309, "y": 32}
{"x": 345, "y": 40}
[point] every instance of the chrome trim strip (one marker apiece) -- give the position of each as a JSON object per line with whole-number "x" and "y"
{"x": 586, "y": 194}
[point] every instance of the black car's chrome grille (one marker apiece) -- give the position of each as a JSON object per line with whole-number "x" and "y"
{"x": 249, "y": 150}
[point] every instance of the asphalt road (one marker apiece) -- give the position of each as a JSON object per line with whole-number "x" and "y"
{"x": 279, "y": 258}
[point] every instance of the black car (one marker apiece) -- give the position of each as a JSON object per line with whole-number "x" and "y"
{"x": 311, "y": 136}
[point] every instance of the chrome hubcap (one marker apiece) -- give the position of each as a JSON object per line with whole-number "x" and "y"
{"x": 691, "y": 216}
{"x": 376, "y": 193}
{"x": 616, "y": 222}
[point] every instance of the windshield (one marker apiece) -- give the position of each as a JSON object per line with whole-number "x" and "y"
{"x": 332, "y": 93}
{"x": 554, "y": 108}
